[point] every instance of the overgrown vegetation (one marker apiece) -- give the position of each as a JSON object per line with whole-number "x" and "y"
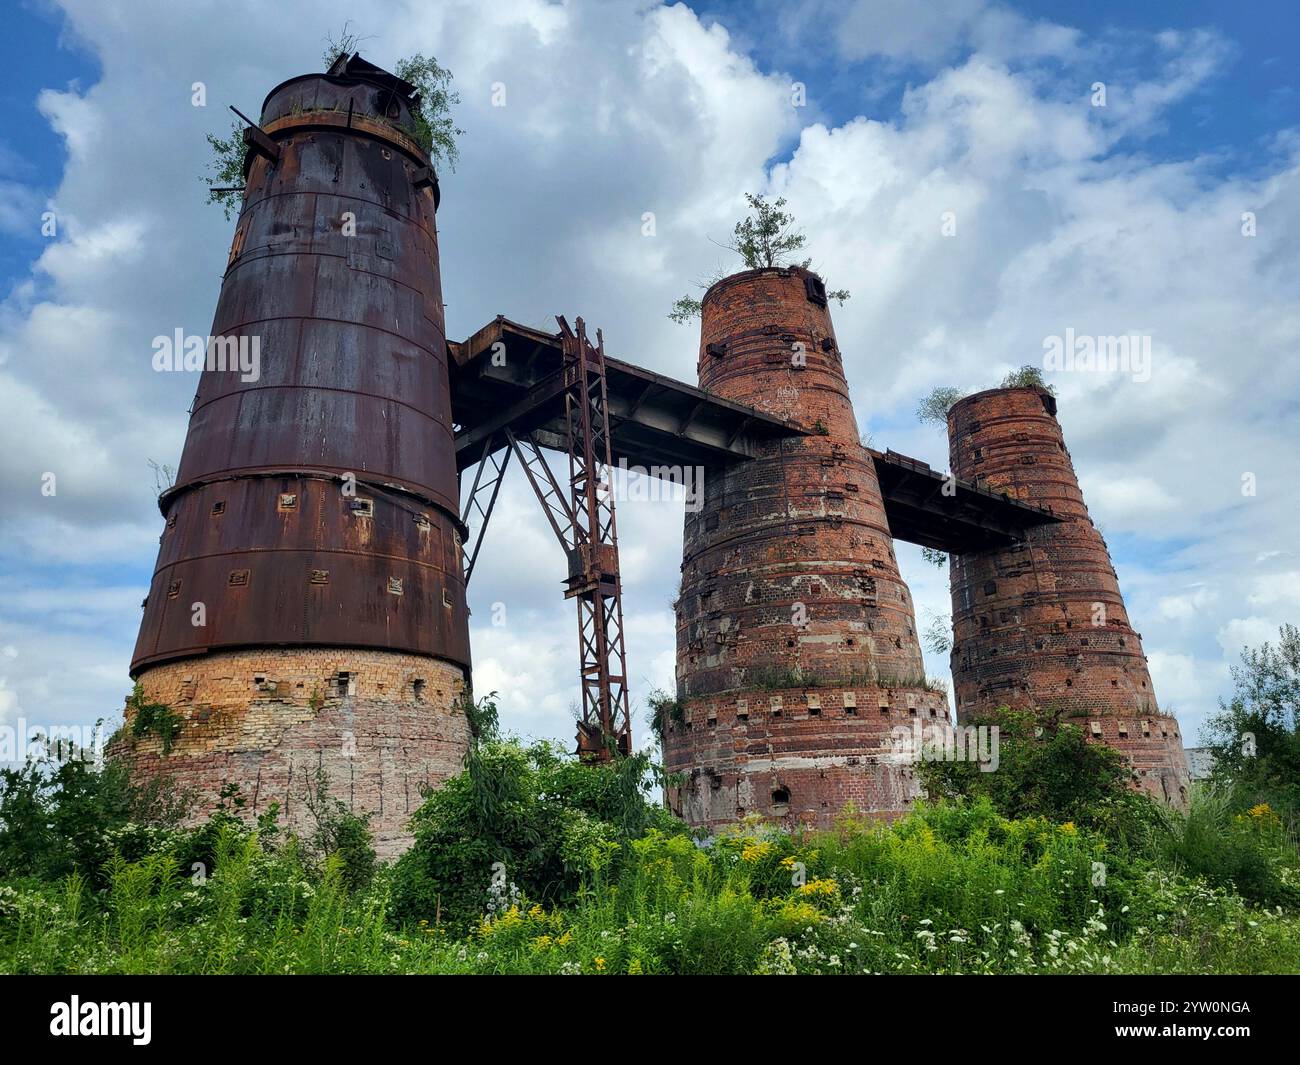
{"x": 934, "y": 556}
{"x": 154, "y": 719}
{"x": 431, "y": 127}
{"x": 1046, "y": 768}
{"x": 765, "y": 238}
{"x": 225, "y": 178}
{"x": 434, "y": 129}
{"x": 1255, "y": 737}
{"x": 953, "y": 888}
{"x": 665, "y": 709}
{"x": 936, "y": 405}
{"x": 529, "y": 862}
{"x": 937, "y": 634}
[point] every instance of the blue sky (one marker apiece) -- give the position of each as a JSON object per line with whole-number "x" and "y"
{"x": 1104, "y": 220}
{"x": 1237, "y": 113}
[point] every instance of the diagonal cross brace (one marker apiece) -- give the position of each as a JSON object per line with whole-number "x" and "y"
{"x": 482, "y": 498}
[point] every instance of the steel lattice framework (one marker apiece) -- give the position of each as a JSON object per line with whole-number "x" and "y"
{"x": 584, "y": 522}
{"x": 593, "y": 566}
{"x": 518, "y": 391}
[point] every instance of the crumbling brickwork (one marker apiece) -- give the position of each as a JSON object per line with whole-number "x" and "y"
{"x": 1042, "y": 624}
{"x": 794, "y": 627}
{"x": 380, "y": 725}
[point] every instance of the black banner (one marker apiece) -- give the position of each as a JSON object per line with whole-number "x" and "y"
{"x": 209, "y": 1014}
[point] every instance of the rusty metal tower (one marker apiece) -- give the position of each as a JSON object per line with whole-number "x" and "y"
{"x": 307, "y": 614}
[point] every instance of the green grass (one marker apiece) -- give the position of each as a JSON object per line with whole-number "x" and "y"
{"x": 950, "y": 889}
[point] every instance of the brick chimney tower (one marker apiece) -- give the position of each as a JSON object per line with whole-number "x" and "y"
{"x": 797, "y": 651}
{"x": 1042, "y": 624}
{"x": 307, "y": 612}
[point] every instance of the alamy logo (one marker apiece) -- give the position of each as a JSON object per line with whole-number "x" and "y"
{"x": 942, "y": 742}
{"x": 60, "y": 742}
{"x": 657, "y": 484}
{"x": 102, "y": 1018}
{"x": 179, "y": 352}
{"x": 1094, "y": 354}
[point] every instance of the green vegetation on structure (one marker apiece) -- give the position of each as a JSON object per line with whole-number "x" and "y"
{"x": 936, "y": 405}
{"x": 529, "y": 862}
{"x": 154, "y": 719}
{"x": 431, "y": 127}
{"x": 766, "y": 238}
{"x": 665, "y": 709}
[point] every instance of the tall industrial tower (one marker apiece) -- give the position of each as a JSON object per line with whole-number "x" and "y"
{"x": 1041, "y": 623}
{"x": 797, "y": 652}
{"x": 307, "y": 614}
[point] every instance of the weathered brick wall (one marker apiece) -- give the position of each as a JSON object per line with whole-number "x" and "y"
{"x": 788, "y": 581}
{"x": 381, "y": 725}
{"x": 1042, "y": 624}
{"x": 797, "y": 754}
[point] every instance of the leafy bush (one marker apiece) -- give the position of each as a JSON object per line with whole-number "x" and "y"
{"x": 65, "y": 816}
{"x": 434, "y": 130}
{"x": 340, "y": 835}
{"x": 953, "y": 887}
{"x": 520, "y": 822}
{"x": 1255, "y": 737}
{"x": 935, "y": 406}
{"x": 1047, "y": 768}
{"x": 1027, "y": 376}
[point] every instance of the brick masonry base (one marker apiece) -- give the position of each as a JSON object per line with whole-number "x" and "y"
{"x": 382, "y": 726}
{"x": 798, "y": 756}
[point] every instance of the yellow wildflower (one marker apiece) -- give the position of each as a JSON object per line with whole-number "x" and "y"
{"x": 600, "y": 964}
{"x": 822, "y": 888}
{"x": 756, "y": 851}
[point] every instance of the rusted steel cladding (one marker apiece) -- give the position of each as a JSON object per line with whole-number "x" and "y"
{"x": 333, "y": 275}
{"x": 1042, "y": 624}
{"x": 789, "y": 583}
